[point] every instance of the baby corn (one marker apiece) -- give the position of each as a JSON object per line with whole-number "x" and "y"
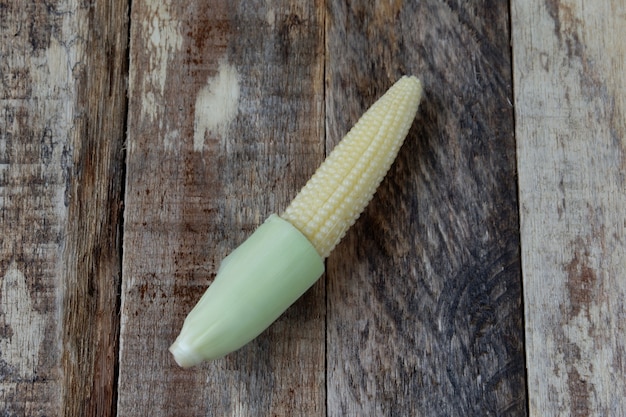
{"x": 344, "y": 184}
{"x": 260, "y": 279}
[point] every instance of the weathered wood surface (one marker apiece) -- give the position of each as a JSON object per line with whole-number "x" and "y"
{"x": 424, "y": 294}
{"x": 570, "y": 61}
{"x": 62, "y": 104}
{"x": 232, "y": 106}
{"x": 225, "y": 124}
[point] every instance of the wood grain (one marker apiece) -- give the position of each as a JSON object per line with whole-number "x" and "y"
{"x": 232, "y": 105}
{"x": 225, "y": 125}
{"x": 424, "y": 294}
{"x": 62, "y": 96}
{"x": 571, "y": 129}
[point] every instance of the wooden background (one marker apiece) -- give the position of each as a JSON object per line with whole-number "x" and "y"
{"x": 142, "y": 141}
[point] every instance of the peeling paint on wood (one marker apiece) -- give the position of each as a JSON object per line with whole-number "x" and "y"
{"x": 35, "y": 121}
{"x": 163, "y": 38}
{"x": 571, "y": 143}
{"x": 241, "y": 118}
{"x": 216, "y": 105}
{"x": 61, "y": 134}
{"x": 22, "y": 326}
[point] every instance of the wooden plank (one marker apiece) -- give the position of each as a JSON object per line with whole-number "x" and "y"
{"x": 225, "y": 125}
{"x": 570, "y": 96}
{"x": 424, "y": 293}
{"x": 62, "y": 100}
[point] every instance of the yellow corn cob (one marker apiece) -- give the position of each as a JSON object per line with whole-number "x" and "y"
{"x": 344, "y": 184}
{"x": 284, "y": 256}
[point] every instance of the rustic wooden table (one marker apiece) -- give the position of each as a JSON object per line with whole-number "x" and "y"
{"x": 141, "y": 141}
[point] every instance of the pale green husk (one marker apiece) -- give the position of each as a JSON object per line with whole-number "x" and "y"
{"x": 255, "y": 284}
